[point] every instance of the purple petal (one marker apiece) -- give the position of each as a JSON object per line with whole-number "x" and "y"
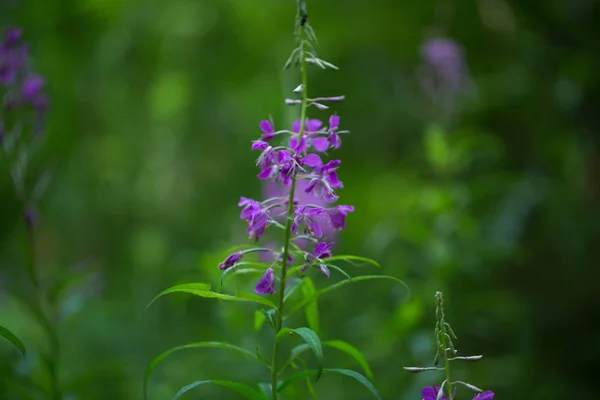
{"x": 313, "y": 125}
{"x": 296, "y": 127}
{"x": 268, "y": 172}
{"x": 336, "y": 141}
{"x": 320, "y": 143}
{"x": 334, "y": 122}
{"x": 266, "y": 284}
{"x": 324, "y": 270}
{"x": 333, "y": 181}
{"x": 487, "y": 395}
{"x": 314, "y": 229}
{"x": 311, "y": 185}
{"x": 259, "y": 145}
{"x": 266, "y": 126}
{"x": 312, "y": 160}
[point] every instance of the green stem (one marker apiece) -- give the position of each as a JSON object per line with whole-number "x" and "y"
{"x": 288, "y": 228}
{"x": 37, "y": 306}
{"x": 446, "y": 362}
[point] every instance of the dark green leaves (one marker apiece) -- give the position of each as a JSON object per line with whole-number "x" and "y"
{"x": 221, "y": 345}
{"x": 203, "y": 290}
{"x": 353, "y": 374}
{"x": 8, "y": 335}
{"x": 247, "y": 391}
{"x": 353, "y": 352}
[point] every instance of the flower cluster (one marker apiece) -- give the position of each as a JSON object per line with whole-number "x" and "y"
{"x": 20, "y": 87}
{"x": 432, "y": 392}
{"x": 298, "y": 164}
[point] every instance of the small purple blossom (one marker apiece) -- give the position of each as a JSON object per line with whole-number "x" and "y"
{"x": 337, "y": 216}
{"x": 231, "y": 260}
{"x": 268, "y": 130}
{"x": 256, "y": 215}
{"x": 308, "y": 215}
{"x": 322, "y": 250}
{"x": 334, "y": 138}
{"x": 431, "y": 393}
{"x": 266, "y": 284}
{"x": 487, "y": 395}
{"x": 310, "y": 135}
{"x": 32, "y": 87}
{"x": 324, "y": 180}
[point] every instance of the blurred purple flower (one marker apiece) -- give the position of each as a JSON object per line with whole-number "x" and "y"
{"x": 487, "y": 395}
{"x": 32, "y": 87}
{"x": 444, "y": 75}
{"x": 266, "y": 284}
{"x": 30, "y": 216}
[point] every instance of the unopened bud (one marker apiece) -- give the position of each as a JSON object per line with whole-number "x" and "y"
{"x": 291, "y": 102}
{"x": 414, "y": 370}
{"x": 319, "y": 105}
{"x": 299, "y": 89}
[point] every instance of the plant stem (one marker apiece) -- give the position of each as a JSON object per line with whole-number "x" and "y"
{"x": 37, "y": 305}
{"x": 444, "y": 339}
{"x": 288, "y": 228}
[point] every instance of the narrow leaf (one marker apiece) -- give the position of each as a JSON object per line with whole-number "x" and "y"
{"x": 339, "y": 284}
{"x": 291, "y": 287}
{"x": 355, "y": 260}
{"x": 311, "y": 311}
{"x": 353, "y": 374}
{"x": 203, "y": 290}
{"x": 247, "y": 391}
{"x": 340, "y": 271}
{"x": 221, "y": 345}
{"x": 353, "y": 352}
{"x": 313, "y": 341}
{"x": 8, "y": 335}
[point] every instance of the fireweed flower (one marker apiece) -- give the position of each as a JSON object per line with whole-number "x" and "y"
{"x": 324, "y": 181}
{"x": 268, "y": 130}
{"x": 322, "y": 250}
{"x": 310, "y": 135}
{"x": 308, "y": 216}
{"x": 266, "y": 284}
{"x": 337, "y": 216}
{"x": 431, "y": 393}
{"x": 487, "y": 395}
{"x": 230, "y": 261}
{"x": 444, "y": 74}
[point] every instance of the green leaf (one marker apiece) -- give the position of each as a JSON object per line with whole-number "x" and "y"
{"x": 353, "y": 352}
{"x": 282, "y": 333}
{"x": 291, "y": 287}
{"x": 203, "y": 290}
{"x": 247, "y": 391}
{"x": 311, "y": 310}
{"x": 221, "y": 345}
{"x": 236, "y": 270}
{"x": 353, "y": 374}
{"x": 8, "y": 335}
{"x": 259, "y": 319}
{"x": 313, "y": 341}
{"x": 339, "y": 284}
{"x": 340, "y": 271}
{"x": 353, "y": 260}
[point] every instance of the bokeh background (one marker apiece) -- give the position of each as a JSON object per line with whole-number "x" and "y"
{"x": 488, "y": 190}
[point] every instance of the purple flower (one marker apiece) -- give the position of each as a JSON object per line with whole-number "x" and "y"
{"x": 310, "y": 135}
{"x": 30, "y": 216}
{"x": 431, "y": 392}
{"x": 324, "y": 180}
{"x": 268, "y": 130}
{"x": 322, "y": 250}
{"x": 337, "y": 216}
{"x": 487, "y": 395}
{"x": 334, "y": 138}
{"x": 308, "y": 216}
{"x": 230, "y": 261}
{"x": 256, "y": 215}
{"x": 266, "y": 284}
{"x": 445, "y": 57}
{"x": 13, "y": 35}
{"x": 32, "y": 87}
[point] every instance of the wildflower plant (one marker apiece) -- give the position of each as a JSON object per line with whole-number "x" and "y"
{"x": 446, "y": 351}
{"x": 23, "y": 109}
{"x": 295, "y": 159}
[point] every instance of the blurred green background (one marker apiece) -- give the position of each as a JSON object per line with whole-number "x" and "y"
{"x": 154, "y": 104}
